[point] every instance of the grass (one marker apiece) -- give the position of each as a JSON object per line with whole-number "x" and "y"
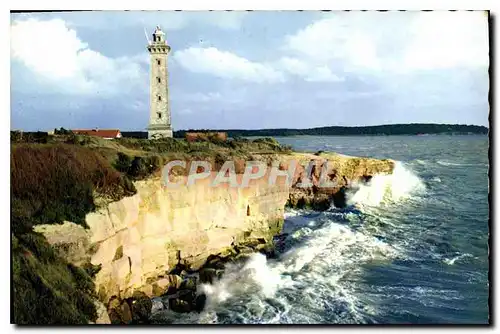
{"x": 56, "y": 182}
{"x": 47, "y": 290}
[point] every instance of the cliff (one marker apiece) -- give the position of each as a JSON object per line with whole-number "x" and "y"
{"x": 343, "y": 172}
{"x": 142, "y": 245}
{"x": 139, "y": 240}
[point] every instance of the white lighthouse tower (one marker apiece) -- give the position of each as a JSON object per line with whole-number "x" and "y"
{"x": 160, "y": 125}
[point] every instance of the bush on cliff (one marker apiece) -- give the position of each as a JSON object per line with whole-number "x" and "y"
{"x": 210, "y": 145}
{"x": 163, "y": 145}
{"x": 47, "y": 290}
{"x": 271, "y": 144}
{"x": 123, "y": 162}
{"x": 139, "y": 167}
{"x": 52, "y": 183}
{"x": 62, "y": 131}
{"x": 38, "y": 137}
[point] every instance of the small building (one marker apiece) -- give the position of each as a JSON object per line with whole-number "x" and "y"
{"x": 103, "y": 133}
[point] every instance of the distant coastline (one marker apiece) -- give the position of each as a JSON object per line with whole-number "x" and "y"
{"x": 377, "y": 130}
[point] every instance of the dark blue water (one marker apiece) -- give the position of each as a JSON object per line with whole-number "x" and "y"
{"x": 411, "y": 248}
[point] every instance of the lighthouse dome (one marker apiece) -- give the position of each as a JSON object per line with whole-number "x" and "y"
{"x": 158, "y": 31}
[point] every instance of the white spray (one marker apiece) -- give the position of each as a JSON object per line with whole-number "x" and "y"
{"x": 310, "y": 274}
{"x": 383, "y": 188}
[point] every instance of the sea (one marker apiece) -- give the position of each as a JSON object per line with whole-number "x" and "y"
{"x": 410, "y": 248}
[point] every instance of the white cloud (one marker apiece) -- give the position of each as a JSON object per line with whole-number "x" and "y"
{"x": 53, "y": 51}
{"x": 337, "y": 38}
{"x": 226, "y": 65}
{"x": 230, "y": 66}
{"x": 448, "y": 39}
{"x": 305, "y": 70}
{"x": 395, "y": 41}
{"x": 48, "y": 48}
{"x": 168, "y": 20}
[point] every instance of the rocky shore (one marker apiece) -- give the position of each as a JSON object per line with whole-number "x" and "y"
{"x": 155, "y": 248}
{"x": 180, "y": 291}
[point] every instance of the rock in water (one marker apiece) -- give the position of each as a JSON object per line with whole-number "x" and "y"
{"x": 102, "y": 313}
{"x": 207, "y": 275}
{"x": 185, "y": 302}
{"x": 187, "y": 295}
{"x": 199, "y": 302}
{"x": 179, "y": 305}
{"x": 166, "y": 285}
{"x": 126, "y": 314}
{"x": 157, "y": 305}
{"x": 140, "y": 306}
{"x": 119, "y": 312}
{"x": 189, "y": 283}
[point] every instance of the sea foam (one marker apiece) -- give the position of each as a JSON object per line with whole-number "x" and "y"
{"x": 384, "y": 188}
{"x": 307, "y": 277}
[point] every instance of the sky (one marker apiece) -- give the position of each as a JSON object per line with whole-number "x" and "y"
{"x": 250, "y": 70}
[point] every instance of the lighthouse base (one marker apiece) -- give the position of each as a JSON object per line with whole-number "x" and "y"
{"x": 158, "y": 132}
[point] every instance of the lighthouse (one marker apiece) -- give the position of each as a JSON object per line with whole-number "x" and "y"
{"x": 160, "y": 125}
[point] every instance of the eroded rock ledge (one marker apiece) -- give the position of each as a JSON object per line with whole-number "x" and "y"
{"x": 341, "y": 170}
{"x": 151, "y": 243}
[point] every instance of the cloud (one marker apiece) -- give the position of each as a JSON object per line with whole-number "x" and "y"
{"x": 448, "y": 39}
{"x": 225, "y": 64}
{"x": 54, "y": 52}
{"x": 307, "y": 71}
{"x": 228, "y": 65}
{"x": 336, "y": 38}
{"x": 394, "y": 41}
{"x": 168, "y": 20}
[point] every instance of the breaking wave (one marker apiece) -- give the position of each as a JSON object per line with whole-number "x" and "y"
{"x": 386, "y": 188}
{"x": 450, "y": 163}
{"x": 309, "y": 276}
{"x": 451, "y": 261}
{"x": 319, "y": 264}
{"x": 386, "y": 257}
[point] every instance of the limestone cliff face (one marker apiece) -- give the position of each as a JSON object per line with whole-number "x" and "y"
{"x": 340, "y": 170}
{"x": 140, "y": 239}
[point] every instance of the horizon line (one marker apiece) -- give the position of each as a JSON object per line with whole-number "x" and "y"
{"x": 264, "y": 129}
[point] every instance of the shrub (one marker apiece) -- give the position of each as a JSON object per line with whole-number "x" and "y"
{"x": 16, "y": 136}
{"x": 72, "y": 139}
{"x": 46, "y": 289}
{"x": 52, "y": 183}
{"x": 38, "y": 137}
{"x": 138, "y": 168}
{"x": 62, "y": 131}
{"x": 162, "y": 145}
{"x": 123, "y": 162}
